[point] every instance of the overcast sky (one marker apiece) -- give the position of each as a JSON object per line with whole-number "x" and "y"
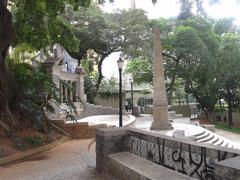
{"x": 166, "y": 9}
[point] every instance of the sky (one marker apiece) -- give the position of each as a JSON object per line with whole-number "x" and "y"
{"x": 166, "y": 9}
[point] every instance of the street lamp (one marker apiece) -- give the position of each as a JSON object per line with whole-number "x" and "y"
{"x": 131, "y": 83}
{"x": 120, "y": 63}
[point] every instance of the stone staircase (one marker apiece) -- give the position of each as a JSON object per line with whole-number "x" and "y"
{"x": 206, "y": 136}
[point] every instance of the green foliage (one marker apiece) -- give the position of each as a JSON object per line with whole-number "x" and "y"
{"x": 21, "y": 53}
{"x": 229, "y": 55}
{"x": 32, "y": 80}
{"x": 89, "y": 89}
{"x": 220, "y": 109}
{"x": 224, "y": 25}
{"x": 36, "y": 88}
{"x": 108, "y": 88}
{"x": 106, "y": 33}
{"x": 141, "y": 69}
{"x": 27, "y": 142}
{"x": 107, "y": 94}
{"x": 37, "y": 23}
{"x": 33, "y": 141}
{"x": 187, "y": 41}
{"x": 224, "y": 127}
{"x": 108, "y": 84}
{"x": 194, "y": 54}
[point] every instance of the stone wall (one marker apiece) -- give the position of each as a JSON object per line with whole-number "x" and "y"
{"x": 107, "y": 101}
{"x": 93, "y": 110}
{"x": 224, "y": 115}
{"x": 80, "y": 130}
{"x": 109, "y": 140}
{"x": 197, "y": 160}
{"x": 185, "y": 110}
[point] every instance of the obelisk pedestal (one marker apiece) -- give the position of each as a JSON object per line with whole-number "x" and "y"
{"x": 160, "y": 104}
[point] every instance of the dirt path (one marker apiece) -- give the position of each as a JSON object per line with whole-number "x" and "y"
{"x": 69, "y": 161}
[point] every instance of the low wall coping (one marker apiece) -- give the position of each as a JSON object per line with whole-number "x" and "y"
{"x": 184, "y": 141}
{"x": 76, "y": 124}
{"x": 121, "y": 131}
{"x": 113, "y": 131}
{"x": 233, "y": 163}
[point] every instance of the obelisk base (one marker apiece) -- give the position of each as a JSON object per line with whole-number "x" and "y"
{"x": 160, "y": 119}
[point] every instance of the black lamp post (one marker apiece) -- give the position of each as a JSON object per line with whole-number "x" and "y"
{"x": 131, "y": 83}
{"x": 120, "y": 63}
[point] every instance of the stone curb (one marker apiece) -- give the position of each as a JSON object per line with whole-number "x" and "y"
{"x": 132, "y": 120}
{"x": 30, "y": 152}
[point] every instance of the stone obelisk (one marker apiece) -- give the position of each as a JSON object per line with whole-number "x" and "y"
{"x": 160, "y": 104}
{"x": 133, "y": 4}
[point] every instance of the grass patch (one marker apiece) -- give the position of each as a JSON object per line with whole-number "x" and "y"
{"x": 226, "y": 128}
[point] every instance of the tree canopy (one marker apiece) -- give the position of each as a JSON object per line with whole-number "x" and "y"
{"x": 106, "y": 33}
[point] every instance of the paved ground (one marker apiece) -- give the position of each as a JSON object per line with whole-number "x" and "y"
{"x": 69, "y": 161}
{"x": 229, "y": 135}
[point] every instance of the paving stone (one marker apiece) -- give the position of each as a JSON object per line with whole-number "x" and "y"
{"x": 69, "y": 161}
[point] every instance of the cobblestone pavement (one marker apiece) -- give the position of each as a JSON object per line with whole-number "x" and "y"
{"x": 69, "y": 161}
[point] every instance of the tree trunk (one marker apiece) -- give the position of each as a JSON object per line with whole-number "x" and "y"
{"x": 171, "y": 86}
{"x": 100, "y": 75}
{"x": 8, "y": 87}
{"x": 179, "y": 101}
{"x": 7, "y": 36}
{"x": 171, "y": 89}
{"x": 229, "y": 102}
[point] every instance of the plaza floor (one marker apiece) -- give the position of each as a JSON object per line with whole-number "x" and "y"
{"x": 69, "y": 161}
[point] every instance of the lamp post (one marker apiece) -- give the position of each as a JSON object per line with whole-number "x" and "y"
{"x": 131, "y": 83}
{"x": 120, "y": 63}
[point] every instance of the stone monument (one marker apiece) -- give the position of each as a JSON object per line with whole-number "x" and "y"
{"x": 160, "y": 104}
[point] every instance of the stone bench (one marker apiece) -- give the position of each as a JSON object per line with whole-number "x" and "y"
{"x": 127, "y": 166}
{"x": 228, "y": 169}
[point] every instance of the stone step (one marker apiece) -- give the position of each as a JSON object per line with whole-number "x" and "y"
{"x": 207, "y": 139}
{"x": 219, "y": 143}
{"x": 200, "y": 134}
{"x": 215, "y": 139}
{"x": 206, "y": 134}
{"x": 129, "y": 166}
{"x": 224, "y": 144}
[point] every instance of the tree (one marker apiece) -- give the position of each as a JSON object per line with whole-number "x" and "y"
{"x": 108, "y": 33}
{"x": 229, "y": 69}
{"x": 190, "y": 48}
{"x": 38, "y": 23}
{"x": 8, "y": 89}
{"x": 197, "y": 45}
{"x": 30, "y": 16}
